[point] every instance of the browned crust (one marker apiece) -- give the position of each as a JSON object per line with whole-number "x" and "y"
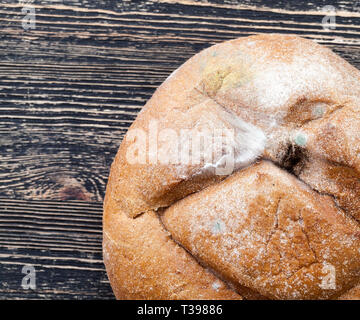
{"x": 212, "y": 76}
{"x": 264, "y": 229}
{"x": 352, "y": 294}
{"x": 143, "y": 262}
{"x": 140, "y": 257}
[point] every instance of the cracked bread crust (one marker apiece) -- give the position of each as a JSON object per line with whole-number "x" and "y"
{"x": 143, "y": 262}
{"x": 264, "y": 228}
{"x": 304, "y": 99}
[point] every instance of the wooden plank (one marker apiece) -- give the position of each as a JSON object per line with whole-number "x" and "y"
{"x": 70, "y": 88}
{"x": 61, "y": 240}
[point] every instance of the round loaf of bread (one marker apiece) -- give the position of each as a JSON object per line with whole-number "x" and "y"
{"x": 240, "y": 179}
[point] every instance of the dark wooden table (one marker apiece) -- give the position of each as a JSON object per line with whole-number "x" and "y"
{"x": 70, "y": 88}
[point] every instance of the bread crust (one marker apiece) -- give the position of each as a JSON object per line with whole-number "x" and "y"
{"x": 265, "y": 229}
{"x": 143, "y": 262}
{"x": 297, "y": 104}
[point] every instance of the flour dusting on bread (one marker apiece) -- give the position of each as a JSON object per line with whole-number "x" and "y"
{"x": 268, "y": 197}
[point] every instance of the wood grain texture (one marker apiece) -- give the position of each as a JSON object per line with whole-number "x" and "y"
{"x": 62, "y": 241}
{"x": 70, "y": 88}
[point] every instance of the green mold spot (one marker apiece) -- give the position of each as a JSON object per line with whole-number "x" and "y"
{"x": 301, "y": 139}
{"x": 218, "y": 227}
